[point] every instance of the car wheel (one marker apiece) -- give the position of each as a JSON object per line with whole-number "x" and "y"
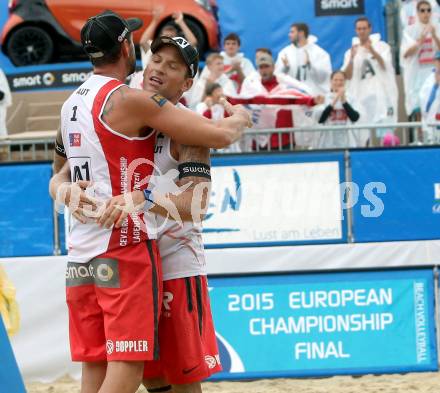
{"x": 202, "y": 42}
{"x": 30, "y": 45}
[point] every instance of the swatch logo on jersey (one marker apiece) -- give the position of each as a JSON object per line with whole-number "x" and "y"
{"x": 75, "y": 139}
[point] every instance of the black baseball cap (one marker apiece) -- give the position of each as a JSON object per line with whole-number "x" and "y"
{"x": 190, "y": 55}
{"x": 104, "y": 33}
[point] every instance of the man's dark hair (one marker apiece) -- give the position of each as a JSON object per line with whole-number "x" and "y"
{"x": 169, "y": 26}
{"x": 302, "y": 27}
{"x": 362, "y": 19}
{"x": 265, "y": 50}
{"x": 110, "y": 57}
{"x": 337, "y": 72}
{"x": 423, "y": 2}
{"x": 232, "y": 37}
{"x": 210, "y": 88}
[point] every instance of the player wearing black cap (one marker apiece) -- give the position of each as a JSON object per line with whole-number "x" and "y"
{"x": 188, "y": 347}
{"x": 113, "y": 276}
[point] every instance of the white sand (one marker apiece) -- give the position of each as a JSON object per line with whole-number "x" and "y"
{"x": 394, "y": 383}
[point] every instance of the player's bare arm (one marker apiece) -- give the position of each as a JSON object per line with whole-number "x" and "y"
{"x": 59, "y": 156}
{"x": 131, "y": 110}
{"x": 72, "y": 195}
{"x": 191, "y": 204}
{"x": 195, "y": 174}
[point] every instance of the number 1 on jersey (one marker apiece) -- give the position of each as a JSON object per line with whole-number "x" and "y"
{"x": 73, "y": 118}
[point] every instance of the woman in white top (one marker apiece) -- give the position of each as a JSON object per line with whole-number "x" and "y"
{"x": 338, "y": 109}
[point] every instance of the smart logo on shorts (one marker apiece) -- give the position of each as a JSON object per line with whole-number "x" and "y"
{"x": 102, "y": 272}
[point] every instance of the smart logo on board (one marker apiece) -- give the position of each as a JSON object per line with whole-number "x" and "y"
{"x": 48, "y": 80}
{"x": 339, "y": 7}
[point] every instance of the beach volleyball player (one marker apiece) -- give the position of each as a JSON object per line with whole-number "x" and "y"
{"x": 188, "y": 347}
{"x": 114, "y": 274}
{"x": 188, "y": 355}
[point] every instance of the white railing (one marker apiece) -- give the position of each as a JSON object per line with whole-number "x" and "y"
{"x": 30, "y": 147}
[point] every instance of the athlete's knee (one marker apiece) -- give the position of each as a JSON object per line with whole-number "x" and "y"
{"x": 157, "y": 385}
{"x": 132, "y": 370}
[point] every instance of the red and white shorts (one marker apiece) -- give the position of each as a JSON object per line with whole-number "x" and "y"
{"x": 188, "y": 346}
{"x": 114, "y": 305}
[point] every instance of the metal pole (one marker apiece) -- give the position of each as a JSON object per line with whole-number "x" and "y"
{"x": 349, "y": 215}
{"x": 56, "y": 232}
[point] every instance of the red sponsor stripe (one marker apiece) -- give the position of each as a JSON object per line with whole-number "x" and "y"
{"x": 120, "y": 152}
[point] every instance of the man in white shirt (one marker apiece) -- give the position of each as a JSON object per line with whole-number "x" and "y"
{"x": 305, "y": 61}
{"x": 430, "y": 101}
{"x": 214, "y": 73}
{"x": 5, "y": 102}
{"x": 420, "y": 41}
{"x": 370, "y": 72}
{"x": 237, "y": 67}
{"x": 263, "y": 82}
{"x": 408, "y": 12}
{"x": 170, "y": 29}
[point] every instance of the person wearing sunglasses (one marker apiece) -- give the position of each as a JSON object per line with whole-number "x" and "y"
{"x": 408, "y": 12}
{"x": 420, "y": 42}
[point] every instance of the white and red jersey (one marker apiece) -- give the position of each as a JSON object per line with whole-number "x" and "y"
{"x": 180, "y": 244}
{"x": 113, "y": 162}
{"x": 418, "y": 67}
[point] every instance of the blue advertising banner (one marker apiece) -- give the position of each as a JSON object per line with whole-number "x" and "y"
{"x": 398, "y": 194}
{"x": 276, "y": 199}
{"x": 10, "y": 378}
{"x": 26, "y": 220}
{"x": 325, "y": 324}
{"x": 331, "y": 21}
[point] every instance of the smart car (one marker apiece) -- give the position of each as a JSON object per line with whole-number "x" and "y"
{"x": 42, "y": 31}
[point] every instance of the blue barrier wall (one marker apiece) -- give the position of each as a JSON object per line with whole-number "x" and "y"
{"x": 325, "y": 324}
{"x": 26, "y": 223}
{"x": 255, "y": 200}
{"x": 411, "y": 203}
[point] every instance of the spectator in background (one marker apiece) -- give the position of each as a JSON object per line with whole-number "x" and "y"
{"x": 260, "y": 51}
{"x": 177, "y": 28}
{"x": 261, "y": 83}
{"x": 5, "y": 102}
{"x": 212, "y": 108}
{"x": 305, "y": 61}
{"x": 408, "y": 12}
{"x": 430, "y": 102}
{"x": 214, "y": 73}
{"x": 237, "y": 67}
{"x": 370, "y": 72}
{"x": 338, "y": 109}
{"x": 419, "y": 43}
